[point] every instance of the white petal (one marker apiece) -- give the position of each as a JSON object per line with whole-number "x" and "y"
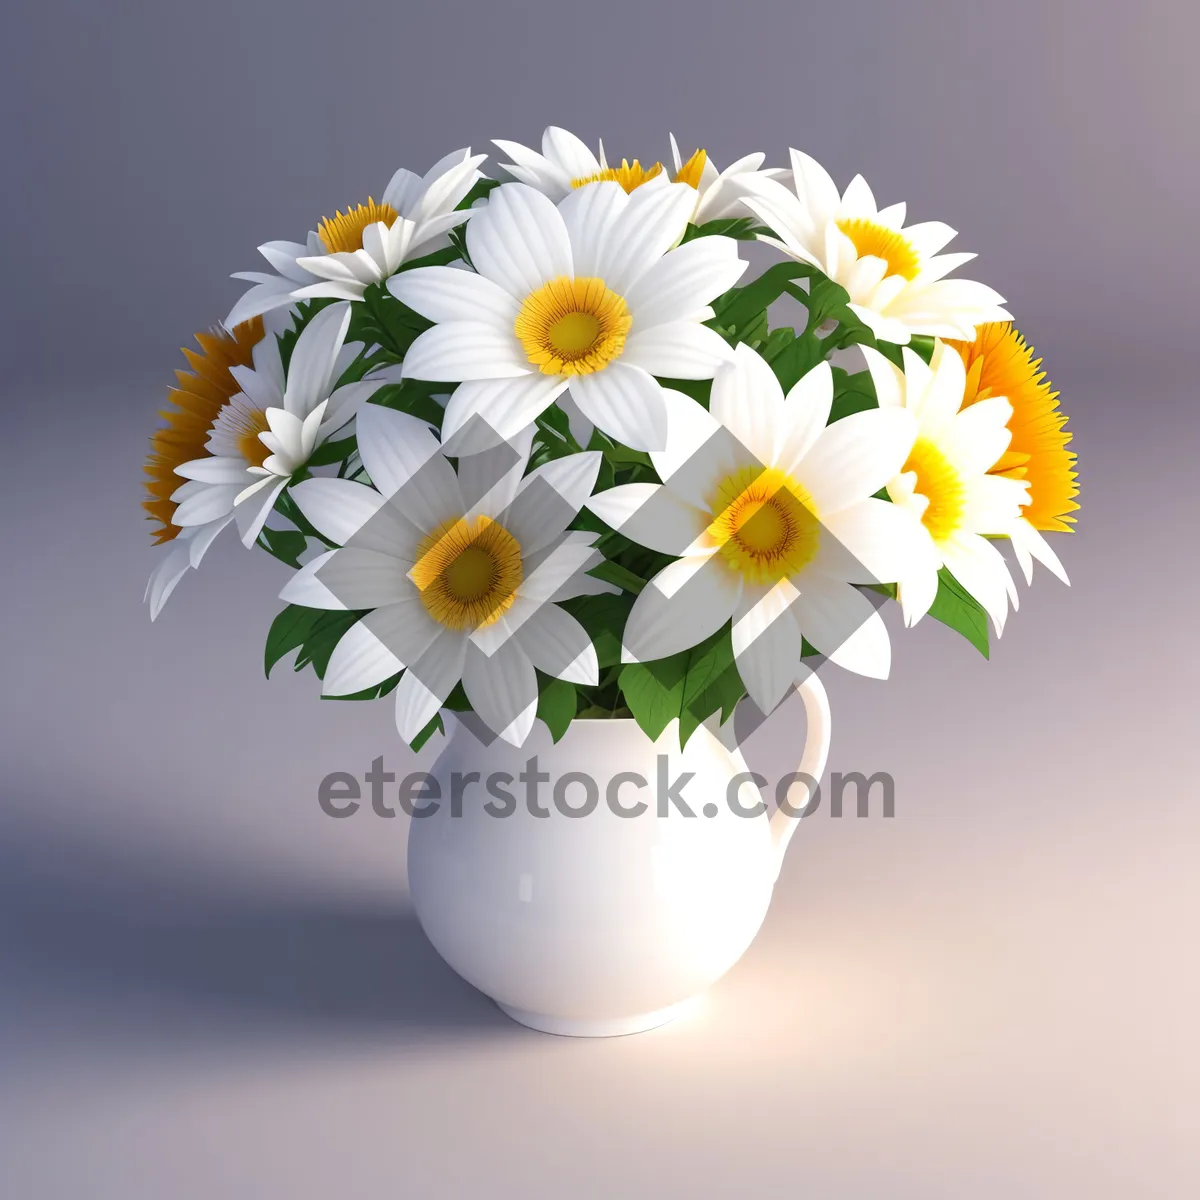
{"x": 678, "y": 350}
{"x": 337, "y": 508}
{"x": 686, "y": 602}
{"x": 310, "y": 370}
{"x": 843, "y": 625}
{"x": 359, "y": 661}
{"x": 502, "y": 690}
{"x": 854, "y": 457}
{"x": 980, "y": 568}
{"x": 215, "y": 470}
{"x": 651, "y": 515}
{"x": 767, "y": 645}
{"x": 549, "y": 499}
{"x": 558, "y": 645}
{"x": 591, "y": 215}
{"x": 427, "y": 683}
{"x": 366, "y": 578}
{"x": 460, "y": 350}
{"x": 684, "y": 280}
{"x": 567, "y": 151}
{"x": 394, "y": 446}
{"x": 872, "y": 542}
{"x": 805, "y": 415}
{"x": 214, "y": 502}
{"x": 748, "y": 401}
{"x": 626, "y": 402}
{"x": 653, "y": 221}
{"x": 495, "y": 410}
{"x": 170, "y": 570}
{"x": 305, "y": 589}
{"x": 449, "y": 294}
{"x": 489, "y": 479}
{"x": 887, "y": 378}
{"x": 519, "y": 240}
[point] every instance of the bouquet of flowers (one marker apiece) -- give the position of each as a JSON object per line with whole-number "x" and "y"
{"x": 535, "y": 446}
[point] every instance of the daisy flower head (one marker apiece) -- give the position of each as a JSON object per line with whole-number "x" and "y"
{"x": 894, "y": 274}
{"x": 594, "y": 295}
{"x": 270, "y": 428}
{"x": 566, "y": 163}
{"x": 458, "y": 572}
{"x": 772, "y": 516}
{"x": 350, "y": 251}
{"x": 198, "y": 397}
{"x": 999, "y": 362}
{"x": 945, "y": 482}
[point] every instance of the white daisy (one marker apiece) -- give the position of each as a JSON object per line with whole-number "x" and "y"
{"x": 270, "y": 429}
{"x": 588, "y": 295}
{"x": 719, "y": 194}
{"x": 349, "y": 251}
{"x": 893, "y": 272}
{"x": 461, "y": 571}
{"x": 945, "y": 482}
{"x": 566, "y": 163}
{"x": 773, "y": 518}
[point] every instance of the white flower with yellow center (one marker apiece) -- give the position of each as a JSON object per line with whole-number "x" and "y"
{"x": 566, "y": 163}
{"x": 349, "y": 251}
{"x": 588, "y": 295}
{"x": 270, "y": 429}
{"x": 945, "y": 483}
{"x": 462, "y": 571}
{"x": 773, "y": 518}
{"x": 893, "y": 273}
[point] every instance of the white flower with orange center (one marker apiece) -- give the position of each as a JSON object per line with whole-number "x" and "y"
{"x": 773, "y": 517}
{"x": 269, "y": 430}
{"x": 566, "y": 163}
{"x": 461, "y": 571}
{"x": 945, "y": 482}
{"x": 587, "y": 295}
{"x": 349, "y": 251}
{"x": 894, "y": 273}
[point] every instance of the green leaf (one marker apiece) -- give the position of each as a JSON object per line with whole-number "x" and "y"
{"x": 690, "y": 686}
{"x": 413, "y": 396}
{"x": 382, "y": 318}
{"x": 743, "y": 229}
{"x": 738, "y": 307}
{"x": 434, "y": 726}
{"x": 325, "y": 633}
{"x": 556, "y": 704}
{"x": 287, "y": 633}
{"x": 851, "y": 393}
{"x": 285, "y": 544}
{"x": 332, "y": 452}
{"x": 372, "y": 693}
{"x": 612, "y": 572}
{"x": 956, "y": 607}
{"x": 604, "y": 618}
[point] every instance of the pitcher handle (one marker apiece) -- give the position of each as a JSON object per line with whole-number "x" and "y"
{"x": 812, "y": 761}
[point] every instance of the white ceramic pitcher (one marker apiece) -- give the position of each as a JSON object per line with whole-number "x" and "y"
{"x": 602, "y": 923}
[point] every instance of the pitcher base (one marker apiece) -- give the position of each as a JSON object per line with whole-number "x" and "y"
{"x": 602, "y": 1026}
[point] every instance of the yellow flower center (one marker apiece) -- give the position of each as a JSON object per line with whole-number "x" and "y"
{"x": 248, "y": 425}
{"x": 629, "y": 175}
{"x": 870, "y": 237}
{"x": 343, "y": 232}
{"x": 940, "y": 483}
{"x": 468, "y": 572}
{"x": 692, "y": 170}
{"x": 764, "y": 524}
{"x": 572, "y": 326}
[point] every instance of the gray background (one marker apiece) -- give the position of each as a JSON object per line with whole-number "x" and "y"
{"x": 208, "y": 988}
